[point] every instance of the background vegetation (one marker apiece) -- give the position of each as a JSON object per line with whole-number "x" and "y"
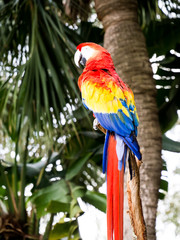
{"x": 50, "y": 156}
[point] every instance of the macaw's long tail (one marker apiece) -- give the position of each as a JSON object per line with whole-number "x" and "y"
{"x": 115, "y": 193}
{"x": 114, "y": 160}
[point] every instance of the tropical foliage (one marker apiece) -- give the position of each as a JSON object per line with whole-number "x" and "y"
{"x": 50, "y": 155}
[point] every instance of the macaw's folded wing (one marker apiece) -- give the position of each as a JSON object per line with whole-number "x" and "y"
{"x": 112, "y": 105}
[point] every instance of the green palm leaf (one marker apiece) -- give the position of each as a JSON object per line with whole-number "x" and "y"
{"x": 35, "y": 37}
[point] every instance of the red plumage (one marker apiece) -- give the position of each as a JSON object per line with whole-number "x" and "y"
{"x": 115, "y": 193}
{"x": 100, "y": 67}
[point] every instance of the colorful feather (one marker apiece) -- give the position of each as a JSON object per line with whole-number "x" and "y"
{"x": 112, "y": 103}
{"x": 115, "y": 188}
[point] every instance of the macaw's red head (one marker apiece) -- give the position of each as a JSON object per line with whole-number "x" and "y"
{"x": 92, "y": 56}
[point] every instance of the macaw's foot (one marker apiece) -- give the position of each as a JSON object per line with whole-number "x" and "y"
{"x": 95, "y": 124}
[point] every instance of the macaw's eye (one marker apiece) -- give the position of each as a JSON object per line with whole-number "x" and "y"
{"x": 86, "y": 49}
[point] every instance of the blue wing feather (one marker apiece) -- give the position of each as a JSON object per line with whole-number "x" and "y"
{"x": 118, "y": 123}
{"x": 125, "y": 129}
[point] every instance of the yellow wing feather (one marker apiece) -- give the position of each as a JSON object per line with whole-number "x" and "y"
{"x": 105, "y": 99}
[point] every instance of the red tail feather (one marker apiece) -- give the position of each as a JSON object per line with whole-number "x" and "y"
{"x": 115, "y": 193}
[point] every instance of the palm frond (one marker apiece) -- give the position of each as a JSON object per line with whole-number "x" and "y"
{"x": 39, "y": 55}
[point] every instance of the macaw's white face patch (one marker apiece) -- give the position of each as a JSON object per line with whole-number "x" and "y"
{"x": 87, "y": 52}
{"x": 81, "y": 57}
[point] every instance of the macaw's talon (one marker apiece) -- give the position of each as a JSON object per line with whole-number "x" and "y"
{"x": 95, "y": 124}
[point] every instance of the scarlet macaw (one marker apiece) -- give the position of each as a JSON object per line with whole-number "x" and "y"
{"x": 113, "y": 105}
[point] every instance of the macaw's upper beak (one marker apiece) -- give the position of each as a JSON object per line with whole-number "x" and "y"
{"x": 79, "y": 59}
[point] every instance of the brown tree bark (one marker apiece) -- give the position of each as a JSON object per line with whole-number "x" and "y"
{"x": 134, "y": 200}
{"x": 125, "y": 41}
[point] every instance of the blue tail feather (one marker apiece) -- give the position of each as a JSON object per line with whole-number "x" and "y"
{"x": 104, "y": 162}
{"x": 132, "y": 143}
{"x": 123, "y": 144}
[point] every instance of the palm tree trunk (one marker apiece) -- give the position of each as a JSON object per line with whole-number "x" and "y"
{"x": 125, "y": 41}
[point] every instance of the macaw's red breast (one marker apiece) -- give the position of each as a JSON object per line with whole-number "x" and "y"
{"x": 100, "y": 68}
{"x": 102, "y": 77}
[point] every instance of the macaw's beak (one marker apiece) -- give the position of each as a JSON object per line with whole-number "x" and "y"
{"x": 79, "y": 59}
